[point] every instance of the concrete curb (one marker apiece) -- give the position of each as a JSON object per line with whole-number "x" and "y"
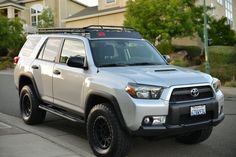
{"x": 18, "y": 123}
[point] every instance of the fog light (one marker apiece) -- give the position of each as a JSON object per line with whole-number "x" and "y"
{"x": 221, "y": 109}
{"x": 158, "y": 120}
{"x": 146, "y": 120}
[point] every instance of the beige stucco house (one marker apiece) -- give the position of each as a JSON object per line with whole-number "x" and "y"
{"x": 108, "y": 12}
{"x": 226, "y": 8}
{"x": 10, "y": 8}
{"x": 111, "y": 12}
{"x": 71, "y": 13}
{"x": 30, "y": 10}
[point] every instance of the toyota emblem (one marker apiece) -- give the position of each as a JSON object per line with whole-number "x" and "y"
{"x": 194, "y": 92}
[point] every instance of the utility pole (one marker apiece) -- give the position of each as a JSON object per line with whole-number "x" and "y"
{"x": 205, "y": 32}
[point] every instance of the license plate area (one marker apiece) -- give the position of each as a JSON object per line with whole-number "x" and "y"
{"x": 198, "y": 110}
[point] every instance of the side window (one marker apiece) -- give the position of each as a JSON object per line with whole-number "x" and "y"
{"x": 72, "y": 48}
{"x": 29, "y": 46}
{"x": 110, "y": 1}
{"x": 51, "y": 49}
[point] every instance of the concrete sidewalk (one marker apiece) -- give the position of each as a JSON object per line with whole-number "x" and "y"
{"x": 20, "y": 140}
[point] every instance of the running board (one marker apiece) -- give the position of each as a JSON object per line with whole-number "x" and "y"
{"x": 61, "y": 113}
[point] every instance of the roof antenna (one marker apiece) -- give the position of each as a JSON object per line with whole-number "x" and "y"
{"x": 97, "y": 70}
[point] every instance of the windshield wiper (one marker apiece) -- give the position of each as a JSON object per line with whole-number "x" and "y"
{"x": 113, "y": 65}
{"x": 144, "y": 63}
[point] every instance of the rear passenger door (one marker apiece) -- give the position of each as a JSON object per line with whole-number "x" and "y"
{"x": 43, "y": 66}
{"x": 68, "y": 81}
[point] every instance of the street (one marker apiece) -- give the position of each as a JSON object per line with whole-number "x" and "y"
{"x": 72, "y": 136}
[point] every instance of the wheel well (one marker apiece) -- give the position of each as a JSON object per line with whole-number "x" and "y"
{"x": 24, "y": 80}
{"x": 99, "y": 98}
{"x": 94, "y": 100}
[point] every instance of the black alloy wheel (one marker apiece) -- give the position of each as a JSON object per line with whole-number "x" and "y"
{"x": 105, "y": 135}
{"x": 29, "y": 105}
{"x": 102, "y": 133}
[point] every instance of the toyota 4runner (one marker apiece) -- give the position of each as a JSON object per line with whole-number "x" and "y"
{"x": 118, "y": 84}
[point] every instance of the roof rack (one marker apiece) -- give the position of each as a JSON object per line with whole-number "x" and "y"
{"x": 92, "y": 30}
{"x": 86, "y": 29}
{"x": 60, "y": 30}
{"x": 109, "y": 28}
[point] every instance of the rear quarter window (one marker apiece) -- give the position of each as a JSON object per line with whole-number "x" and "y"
{"x": 29, "y": 46}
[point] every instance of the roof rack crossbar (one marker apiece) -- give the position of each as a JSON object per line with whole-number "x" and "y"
{"x": 60, "y": 30}
{"x": 108, "y": 27}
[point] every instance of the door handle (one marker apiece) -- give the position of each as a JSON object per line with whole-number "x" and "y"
{"x": 56, "y": 72}
{"x": 35, "y": 67}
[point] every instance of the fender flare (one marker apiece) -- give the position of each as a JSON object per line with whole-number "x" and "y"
{"x": 31, "y": 77}
{"x": 114, "y": 104}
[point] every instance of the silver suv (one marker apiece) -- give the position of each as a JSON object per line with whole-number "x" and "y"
{"x": 116, "y": 83}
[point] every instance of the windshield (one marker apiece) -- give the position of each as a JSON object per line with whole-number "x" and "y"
{"x": 124, "y": 53}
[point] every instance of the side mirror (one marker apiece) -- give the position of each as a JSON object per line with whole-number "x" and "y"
{"x": 167, "y": 58}
{"x": 77, "y": 62}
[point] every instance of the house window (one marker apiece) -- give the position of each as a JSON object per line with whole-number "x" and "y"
{"x": 110, "y": 1}
{"x": 220, "y": 2}
{"x": 35, "y": 12}
{"x": 213, "y": 9}
{"x": 229, "y": 11}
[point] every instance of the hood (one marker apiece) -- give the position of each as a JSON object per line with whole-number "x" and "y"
{"x": 161, "y": 75}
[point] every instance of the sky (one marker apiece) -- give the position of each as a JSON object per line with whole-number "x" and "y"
{"x": 89, "y": 2}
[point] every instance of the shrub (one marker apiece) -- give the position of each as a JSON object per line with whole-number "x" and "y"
{"x": 224, "y": 72}
{"x": 6, "y": 62}
{"x": 181, "y": 63}
{"x": 3, "y": 52}
{"x": 11, "y": 35}
{"x": 165, "y": 47}
{"x": 231, "y": 83}
{"x": 46, "y": 18}
{"x": 220, "y": 32}
{"x": 222, "y": 55}
{"x": 193, "y": 51}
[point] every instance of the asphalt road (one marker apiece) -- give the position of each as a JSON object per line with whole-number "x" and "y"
{"x": 221, "y": 143}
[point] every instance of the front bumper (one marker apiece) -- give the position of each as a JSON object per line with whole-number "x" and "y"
{"x": 179, "y": 121}
{"x": 169, "y": 130}
{"x": 134, "y": 110}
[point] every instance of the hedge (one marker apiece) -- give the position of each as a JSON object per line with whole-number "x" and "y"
{"x": 222, "y": 55}
{"x": 193, "y": 51}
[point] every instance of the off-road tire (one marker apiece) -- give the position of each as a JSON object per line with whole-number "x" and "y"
{"x": 195, "y": 137}
{"x": 30, "y": 112}
{"x": 118, "y": 143}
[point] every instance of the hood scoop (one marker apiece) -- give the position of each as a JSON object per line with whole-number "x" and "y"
{"x": 166, "y": 69}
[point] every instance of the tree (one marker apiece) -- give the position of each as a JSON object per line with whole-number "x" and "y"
{"x": 46, "y": 19}
{"x": 220, "y": 32}
{"x": 11, "y": 35}
{"x": 168, "y": 18}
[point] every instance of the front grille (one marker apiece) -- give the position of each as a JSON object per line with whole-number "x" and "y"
{"x": 184, "y": 94}
{"x": 187, "y": 119}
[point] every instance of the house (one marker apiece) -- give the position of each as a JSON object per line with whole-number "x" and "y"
{"x": 11, "y": 8}
{"x": 71, "y": 13}
{"x": 111, "y": 12}
{"x": 226, "y": 8}
{"x": 221, "y": 8}
{"x": 108, "y": 12}
{"x": 30, "y": 10}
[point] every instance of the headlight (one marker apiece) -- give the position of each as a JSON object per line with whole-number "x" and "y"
{"x": 143, "y": 91}
{"x": 216, "y": 84}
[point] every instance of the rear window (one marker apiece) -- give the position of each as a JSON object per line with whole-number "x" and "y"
{"x": 29, "y": 46}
